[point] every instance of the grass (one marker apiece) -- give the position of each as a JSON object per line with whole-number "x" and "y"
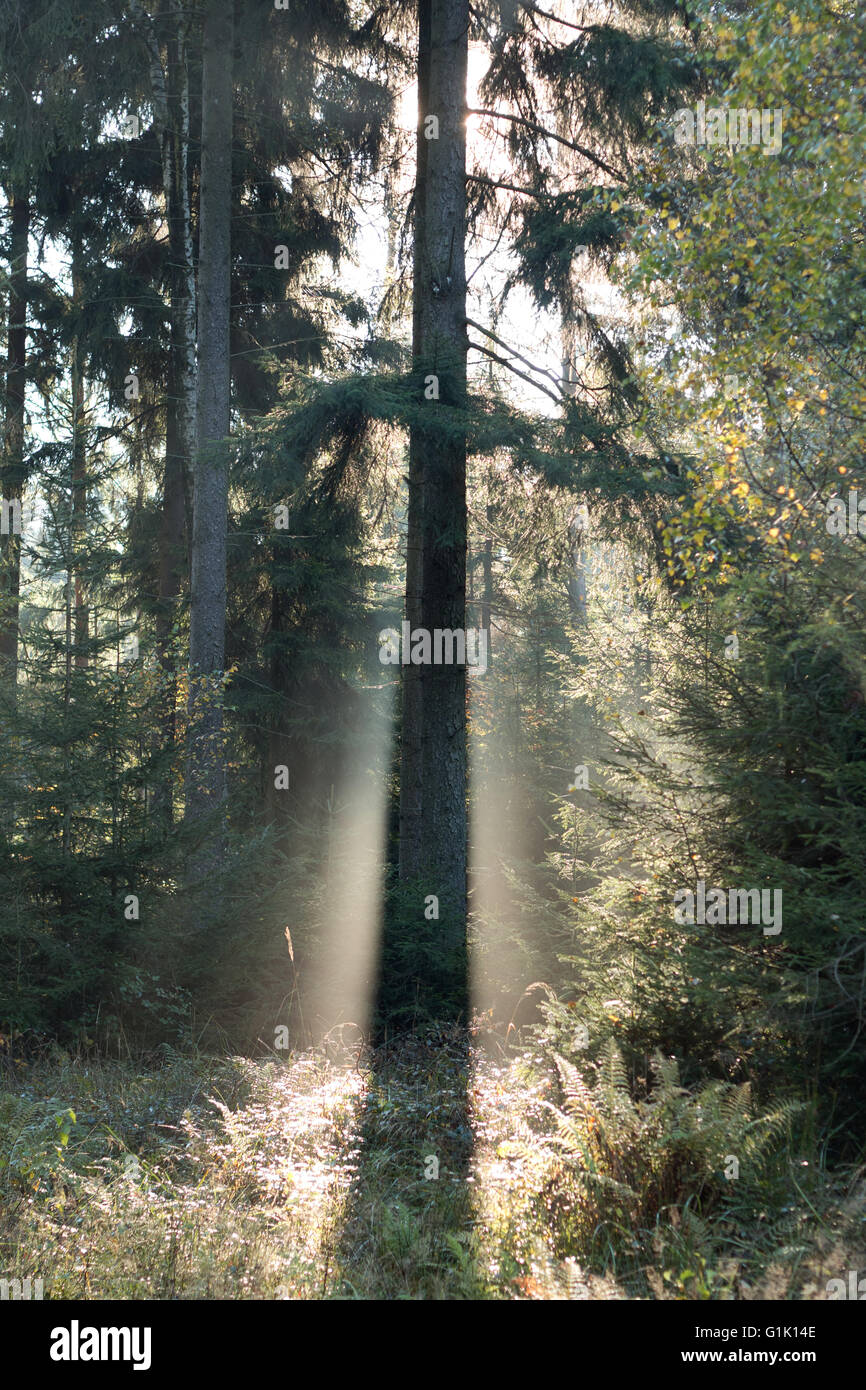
{"x": 432, "y": 1169}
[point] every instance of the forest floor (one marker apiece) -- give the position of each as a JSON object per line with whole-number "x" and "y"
{"x": 428, "y": 1172}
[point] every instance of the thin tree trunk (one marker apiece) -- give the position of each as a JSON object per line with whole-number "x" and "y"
{"x": 576, "y": 527}
{"x": 487, "y": 589}
{"x": 277, "y": 800}
{"x": 411, "y": 771}
{"x": 569, "y": 342}
{"x": 172, "y": 105}
{"x": 13, "y": 441}
{"x": 576, "y": 530}
{"x": 206, "y": 778}
{"x": 81, "y": 627}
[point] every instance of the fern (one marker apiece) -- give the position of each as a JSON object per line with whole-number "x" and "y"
{"x": 34, "y": 1136}
{"x": 668, "y": 1151}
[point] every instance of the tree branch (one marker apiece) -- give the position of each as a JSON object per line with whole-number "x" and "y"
{"x": 503, "y": 362}
{"x": 554, "y": 18}
{"x": 508, "y": 348}
{"x": 548, "y": 135}
{"x": 509, "y": 187}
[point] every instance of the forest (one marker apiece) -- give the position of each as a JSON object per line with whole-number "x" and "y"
{"x": 433, "y": 652}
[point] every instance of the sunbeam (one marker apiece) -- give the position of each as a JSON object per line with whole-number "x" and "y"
{"x": 340, "y": 993}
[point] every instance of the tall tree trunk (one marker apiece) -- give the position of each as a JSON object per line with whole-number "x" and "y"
{"x": 79, "y": 469}
{"x": 487, "y": 588}
{"x": 411, "y": 771}
{"x": 577, "y": 524}
{"x": 13, "y": 440}
{"x": 569, "y": 343}
{"x": 171, "y": 101}
{"x": 206, "y": 779}
{"x": 440, "y": 292}
{"x": 277, "y": 799}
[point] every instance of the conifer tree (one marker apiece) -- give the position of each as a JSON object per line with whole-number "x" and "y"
{"x": 435, "y": 724}
{"x": 205, "y": 789}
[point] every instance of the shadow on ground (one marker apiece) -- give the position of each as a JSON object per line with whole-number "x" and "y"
{"x": 408, "y": 1226}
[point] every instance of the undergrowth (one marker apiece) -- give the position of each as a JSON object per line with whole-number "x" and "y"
{"x": 430, "y": 1169}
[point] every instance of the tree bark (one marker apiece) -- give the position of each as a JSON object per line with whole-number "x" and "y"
{"x": 81, "y": 626}
{"x": 411, "y": 770}
{"x": 487, "y": 589}
{"x": 277, "y": 802}
{"x": 440, "y": 291}
{"x": 171, "y": 102}
{"x": 569, "y": 343}
{"x": 13, "y": 441}
{"x": 206, "y": 780}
